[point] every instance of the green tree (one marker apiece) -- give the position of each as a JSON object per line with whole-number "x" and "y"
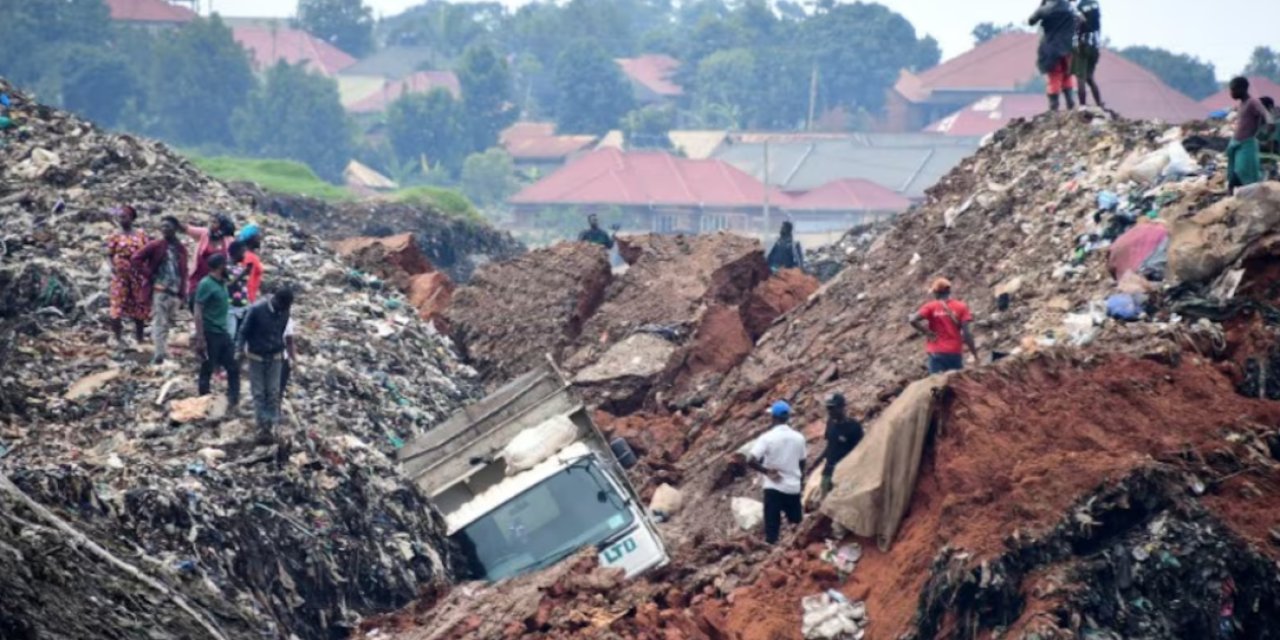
{"x": 647, "y": 128}
{"x": 858, "y": 50}
{"x": 1264, "y": 62}
{"x": 592, "y": 94}
{"x": 726, "y": 78}
{"x": 1185, "y": 73}
{"x": 488, "y": 178}
{"x": 297, "y": 116}
{"x": 430, "y": 127}
{"x": 486, "y": 95}
{"x": 97, "y": 83}
{"x": 990, "y": 30}
{"x": 33, "y": 34}
{"x": 200, "y": 75}
{"x": 346, "y": 24}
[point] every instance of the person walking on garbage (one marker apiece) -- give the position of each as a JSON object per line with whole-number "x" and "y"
{"x": 1058, "y": 20}
{"x": 212, "y": 240}
{"x": 594, "y": 233}
{"x": 945, "y": 323}
{"x": 779, "y": 454}
{"x": 251, "y": 236}
{"x": 1088, "y": 50}
{"x": 128, "y": 295}
{"x": 843, "y": 435}
{"x": 163, "y": 263}
{"x": 213, "y": 343}
{"x": 237, "y": 286}
{"x": 1244, "y": 166}
{"x": 262, "y": 341}
{"x": 786, "y": 252}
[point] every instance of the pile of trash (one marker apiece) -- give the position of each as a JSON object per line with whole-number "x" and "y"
{"x": 400, "y": 262}
{"x": 828, "y": 260}
{"x": 300, "y": 538}
{"x": 456, "y": 246}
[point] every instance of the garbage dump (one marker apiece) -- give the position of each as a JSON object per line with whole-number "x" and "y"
{"x": 138, "y": 509}
{"x": 1100, "y": 479}
{"x": 455, "y": 245}
{"x": 399, "y": 261}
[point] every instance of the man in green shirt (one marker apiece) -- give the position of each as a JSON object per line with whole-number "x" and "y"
{"x": 214, "y": 344}
{"x": 595, "y": 234}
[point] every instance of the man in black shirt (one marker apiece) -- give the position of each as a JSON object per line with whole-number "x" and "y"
{"x": 595, "y": 234}
{"x": 786, "y": 252}
{"x": 261, "y": 338}
{"x": 1088, "y": 42}
{"x": 843, "y": 434}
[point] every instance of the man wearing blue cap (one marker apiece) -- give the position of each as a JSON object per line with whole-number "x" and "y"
{"x": 779, "y": 454}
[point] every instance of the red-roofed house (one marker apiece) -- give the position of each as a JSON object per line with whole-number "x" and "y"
{"x": 659, "y": 192}
{"x": 268, "y": 45}
{"x": 989, "y": 114}
{"x": 1007, "y": 63}
{"x": 535, "y": 145}
{"x": 650, "y": 77}
{"x": 154, "y": 14}
{"x": 1258, "y": 87}
{"x": 420, "y": 82}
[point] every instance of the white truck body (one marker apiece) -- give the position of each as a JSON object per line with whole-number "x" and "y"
{"x": 525, "y": 479}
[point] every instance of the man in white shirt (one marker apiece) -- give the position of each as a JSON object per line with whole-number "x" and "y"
{"x": 779, "y": 454}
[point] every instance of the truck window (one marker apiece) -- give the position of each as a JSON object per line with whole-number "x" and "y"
{"x": 545, "y": 524}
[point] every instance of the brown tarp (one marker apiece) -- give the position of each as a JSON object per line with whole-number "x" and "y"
{"x": 873, "y": 485}
{"x": 1203, "y": 245}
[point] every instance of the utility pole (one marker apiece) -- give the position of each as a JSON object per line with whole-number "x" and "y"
{"x": 764, "y": 233}
{"x": 813, "y": 96}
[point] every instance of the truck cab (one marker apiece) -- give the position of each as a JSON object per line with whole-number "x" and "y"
{"x": 525, "y": 479}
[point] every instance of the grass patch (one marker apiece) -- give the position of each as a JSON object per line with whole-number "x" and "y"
{"x": 446, "y": 201}
{"x": 279, "y": 176}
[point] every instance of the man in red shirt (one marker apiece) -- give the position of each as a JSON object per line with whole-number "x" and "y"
{"x": 945, "y": 322}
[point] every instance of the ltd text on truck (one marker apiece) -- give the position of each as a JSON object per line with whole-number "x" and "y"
{"x": 525, "y": 479}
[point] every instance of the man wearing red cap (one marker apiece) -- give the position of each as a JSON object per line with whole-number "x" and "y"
{"x": 945, "y": 323}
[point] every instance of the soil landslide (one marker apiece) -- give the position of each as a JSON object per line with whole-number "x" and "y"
{"x": 139, "y": 510}
{"x": 1104, "y": 479}
{"x": 399, "y": 261}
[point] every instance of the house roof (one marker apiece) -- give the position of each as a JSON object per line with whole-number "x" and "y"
{"x": 697, "y": 144}
{"x": 394, "y": 62}
{"x": 1008, "y": 61}
{"x": 420, "y": 82}
{"x": 907, "y": 164}
{"x": 1258, "y": 86}
{"x": 269, "y": 45}
{"x": 653, "y": 72}
{"x": 850, "y": 194}
{"x": 989, "y": 114}
{"x": 148, "y": 11}
{"x": 362, "y": 176}
{"x": 644, "y": 178}
{"x": 538, "y": 141}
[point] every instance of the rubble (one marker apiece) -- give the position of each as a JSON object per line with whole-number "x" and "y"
{"x": 399, "y": 262}
{"x": 296, "y": 539}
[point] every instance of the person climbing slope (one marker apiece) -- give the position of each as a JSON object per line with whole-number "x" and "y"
{"x": 945, "y": 324}
{"x": 129, "y": 297}
{"x": 1058, "y": 19}
{"x": 842, "y": 435}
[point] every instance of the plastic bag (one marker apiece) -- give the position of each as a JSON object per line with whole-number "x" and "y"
{"x": 748, "y": 513}
{"x": 1181, "y": 164}
{"x": 535, "y": 444}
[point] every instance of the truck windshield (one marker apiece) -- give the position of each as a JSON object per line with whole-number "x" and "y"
{"x": 574, "y": 508}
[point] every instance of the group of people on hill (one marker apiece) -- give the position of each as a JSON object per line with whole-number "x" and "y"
{"x": 221, "y": 285}
{"x": 1070, "y": 49}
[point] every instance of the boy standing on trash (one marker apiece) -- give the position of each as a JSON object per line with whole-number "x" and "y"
{"x": 214, "y": 343}
{"x": 843, "y": 435}
{"x": 945, "y": 324}
{"x": 262, "y": 341}
{"x": 1244, "y": 164}
{"x": 779, "y": 455}
{"x": 163, "y": 263}
{"x": 1058, "y": 19}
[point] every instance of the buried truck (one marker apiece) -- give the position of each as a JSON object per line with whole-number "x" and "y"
{"x": 525, "y": 479}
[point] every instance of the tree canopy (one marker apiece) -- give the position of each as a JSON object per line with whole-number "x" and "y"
{"x": 429, "y": 127}
{"x": 486, "y": 94}
{"x": 346, "y": 24}
{"x": 200, "y": 76}
{"x": 1264, "y": 62}
{"x": 592, "y": 93}
{"x": 1185, "y": 73}
{"x": 296, "y": 115}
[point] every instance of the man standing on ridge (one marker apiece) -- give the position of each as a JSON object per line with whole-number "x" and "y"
{"x": 1058, "y": 19}
{"x": 786, "y": 252}
{"x": 1244, "y": 163}
{"x": 1088, "y": 50}
{"x": 945, "y": 323}
{"x": 595, "y": 234}
{"x": 843, "y": 435}
{"x": 779, "y": 454}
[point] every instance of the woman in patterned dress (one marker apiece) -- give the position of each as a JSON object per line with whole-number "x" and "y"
{"x": 129, "y": 297}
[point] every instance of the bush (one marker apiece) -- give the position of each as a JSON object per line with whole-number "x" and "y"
{"x": 279, "y": 176}
{"x": 446, "y": 201}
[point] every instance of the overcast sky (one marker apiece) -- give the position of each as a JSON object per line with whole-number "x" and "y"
{"x": 1223, "y": 32}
